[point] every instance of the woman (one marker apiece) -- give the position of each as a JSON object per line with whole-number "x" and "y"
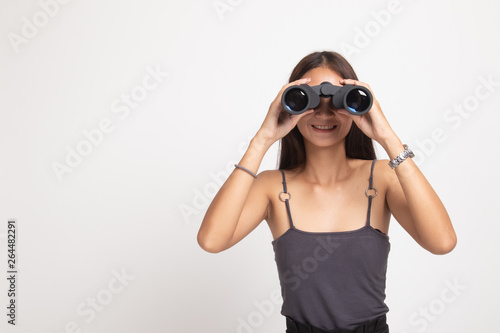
{"x": 329, "y": 206}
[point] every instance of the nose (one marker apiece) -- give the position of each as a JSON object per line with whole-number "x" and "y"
{"x": 325, "y": 108}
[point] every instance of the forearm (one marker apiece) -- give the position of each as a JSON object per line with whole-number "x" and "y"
{"x": 221, "y": 218}
{"x": 431, "y": 221}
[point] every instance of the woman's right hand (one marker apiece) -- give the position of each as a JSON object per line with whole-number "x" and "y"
{"x": 241, "y": 203}
{"x": 278, "y": 122}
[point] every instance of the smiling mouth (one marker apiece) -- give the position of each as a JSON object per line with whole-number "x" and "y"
{"x": 324, "y": 127}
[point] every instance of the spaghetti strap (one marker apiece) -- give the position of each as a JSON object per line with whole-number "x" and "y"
{"x": 371, "y": 192}
{"x": 286, "y": 200}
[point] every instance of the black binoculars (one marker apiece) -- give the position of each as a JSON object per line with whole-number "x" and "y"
{"x": 356, "y": 100}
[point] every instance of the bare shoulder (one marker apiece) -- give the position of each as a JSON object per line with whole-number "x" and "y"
{"x": 275, "y": 177}
{"x": 384, "y": 174}
{"x": 269, "y": 175}
{"x": 269, "y": 181}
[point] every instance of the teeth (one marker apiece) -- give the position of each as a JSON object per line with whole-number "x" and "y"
{"x": 323, "y": 127}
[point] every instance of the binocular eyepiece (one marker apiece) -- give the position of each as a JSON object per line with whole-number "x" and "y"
{"x": 356, "y": 100}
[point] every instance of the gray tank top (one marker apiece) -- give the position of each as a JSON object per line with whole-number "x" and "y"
{"x": 332, "y": 279}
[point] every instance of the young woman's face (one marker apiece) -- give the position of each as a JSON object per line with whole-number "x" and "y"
{"x": 325, "y": 126}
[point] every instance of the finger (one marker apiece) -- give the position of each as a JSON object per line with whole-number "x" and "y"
{"x": 301, "y": 81}
{"x": 350, "y": 81}
{"x": 304, "y": 80}
{"x": 355, "y": 83}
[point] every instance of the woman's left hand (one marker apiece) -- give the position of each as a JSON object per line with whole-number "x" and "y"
{"x": 373, "y": 123}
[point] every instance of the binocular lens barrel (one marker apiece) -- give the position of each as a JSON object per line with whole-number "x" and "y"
{"x": 296, "y": 100}
{"x": 356, "y": 100}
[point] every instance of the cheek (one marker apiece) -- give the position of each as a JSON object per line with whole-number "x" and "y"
{"x": 346, "y": 121}
{"x": 347, "y": 126}
{"x": 302, "y": 125}
{"x": 349, "y": 123}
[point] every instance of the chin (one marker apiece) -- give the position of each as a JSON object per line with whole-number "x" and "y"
{"x": 325, "y": 143}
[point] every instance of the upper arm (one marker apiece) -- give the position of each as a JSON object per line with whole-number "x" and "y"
{"x": 256, "y": 207}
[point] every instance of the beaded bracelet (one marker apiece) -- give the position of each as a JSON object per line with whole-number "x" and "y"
{"x": 245, "y": 169}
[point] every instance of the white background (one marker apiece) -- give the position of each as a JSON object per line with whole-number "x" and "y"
{"x": 134, "y": 204}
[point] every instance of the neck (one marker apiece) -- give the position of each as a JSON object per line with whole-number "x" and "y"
{"x": 326, "y": 165}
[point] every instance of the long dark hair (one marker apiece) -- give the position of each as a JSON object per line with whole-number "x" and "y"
{"x": 357, "y": 144}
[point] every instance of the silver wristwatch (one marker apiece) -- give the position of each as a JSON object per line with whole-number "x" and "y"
{"x": 401, "y": 157}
